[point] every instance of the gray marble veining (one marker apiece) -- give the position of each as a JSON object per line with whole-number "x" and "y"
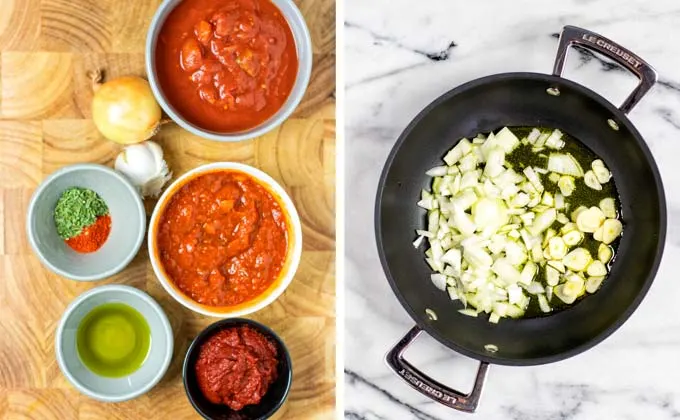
{"x": 399, "y": 56}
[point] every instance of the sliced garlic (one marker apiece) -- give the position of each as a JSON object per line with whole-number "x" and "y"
{"x": 591, "y": 181}
{"x": 577, "y": 260}
{"x": 605, "y": 253}
{"x": 608, "y": 207}
{"x": 593, "y": 283}
{"x": 612, "y": 228}
{"x": 601, "y": 172}
{"x": 590, "y": 220}
{"x": 558, "y": 249}
{"x": 597, "y": 268}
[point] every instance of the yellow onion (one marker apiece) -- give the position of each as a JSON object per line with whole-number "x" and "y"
{"x": 124, "y": 109}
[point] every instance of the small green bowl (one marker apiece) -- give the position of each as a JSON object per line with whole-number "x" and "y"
{"x": 128, "y": 223}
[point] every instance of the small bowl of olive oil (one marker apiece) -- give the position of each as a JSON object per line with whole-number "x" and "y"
{"x": 114, "y": 343}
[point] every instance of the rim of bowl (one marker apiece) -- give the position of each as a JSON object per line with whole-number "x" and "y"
{"x": 77, "y": 167}
{"x": 167, "y": 329}
{"x": 225, "y": 323}
{"x": 295, "y": 253}
{"x": 303, "y": 77}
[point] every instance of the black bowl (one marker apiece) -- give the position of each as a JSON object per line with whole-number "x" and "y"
{"x": 272, "y": 400}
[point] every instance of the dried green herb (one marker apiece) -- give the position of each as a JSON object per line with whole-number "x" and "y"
{"x": 76, "y": 209}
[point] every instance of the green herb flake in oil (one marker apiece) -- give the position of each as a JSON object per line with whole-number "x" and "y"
{"x": 582, "y": 196}
{"x": 76, "y": 209}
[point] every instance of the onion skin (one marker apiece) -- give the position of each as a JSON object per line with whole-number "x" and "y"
{"x": 125, "y": 110}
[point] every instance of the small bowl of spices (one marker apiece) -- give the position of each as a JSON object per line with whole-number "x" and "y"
{"x": 86, "y": 222}
{"x": 237, "y": 369}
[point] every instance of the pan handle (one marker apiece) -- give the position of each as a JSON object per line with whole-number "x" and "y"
{"x": 428, "y": 386}
{"x": 571, "y": 35}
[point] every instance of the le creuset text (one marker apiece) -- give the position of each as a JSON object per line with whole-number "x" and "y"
{"x": 427, "y": 388}
{"x": 613, "y": 48}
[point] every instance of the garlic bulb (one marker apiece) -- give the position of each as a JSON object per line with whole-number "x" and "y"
{"x": 144, "y": 166}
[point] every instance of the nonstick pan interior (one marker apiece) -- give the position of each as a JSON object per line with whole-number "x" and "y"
{"x": 520, "y": 99}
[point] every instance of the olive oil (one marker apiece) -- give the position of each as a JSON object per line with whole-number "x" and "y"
{"x": 113, "y": 340}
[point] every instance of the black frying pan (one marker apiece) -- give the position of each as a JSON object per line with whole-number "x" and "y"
{"x": 521, "y": 99}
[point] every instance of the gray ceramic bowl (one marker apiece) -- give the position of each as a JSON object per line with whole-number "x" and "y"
{"x": 128, "y": 223}
{"x": 303, "y": 42}
{"x": 127, "y": 387}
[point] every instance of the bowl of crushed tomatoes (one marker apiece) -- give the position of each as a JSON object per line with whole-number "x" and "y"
{"x": 237, "y": 369}
{"x": 229, "y": 70}
{"x": 225, "y": 239}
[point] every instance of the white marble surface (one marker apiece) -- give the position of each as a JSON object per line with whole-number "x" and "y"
{"x": 402, "y": 54}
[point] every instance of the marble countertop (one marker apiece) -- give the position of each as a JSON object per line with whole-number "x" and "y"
{"x": 399, "y": 56}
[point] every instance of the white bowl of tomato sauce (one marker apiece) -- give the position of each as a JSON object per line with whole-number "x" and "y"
{"x": 229, "y": 70}
{"x": 225, "y": 239}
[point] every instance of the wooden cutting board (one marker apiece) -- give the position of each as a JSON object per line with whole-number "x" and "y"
{"x": 46, "y": 48}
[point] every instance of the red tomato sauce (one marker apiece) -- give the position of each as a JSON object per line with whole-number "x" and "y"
{"x": 222, "y": 238}
{"x": 236, "y": 366}
{"x": 226, "y": 65}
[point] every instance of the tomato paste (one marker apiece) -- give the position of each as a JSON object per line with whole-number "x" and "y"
{"x": 222, "y": 238}
{"x": 226, "y": 65}
{"x": 236, "y": 366}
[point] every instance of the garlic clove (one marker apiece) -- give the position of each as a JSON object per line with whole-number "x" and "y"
{"x": 143, "y": 164}
{"x": 155, "y": 150}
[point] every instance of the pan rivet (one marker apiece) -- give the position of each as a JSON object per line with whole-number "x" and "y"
{"x": 431, "y": 314}
{"x": 491, "y": 348}
{"x": 613, "y": 124}
{"x": 553, "y": 91}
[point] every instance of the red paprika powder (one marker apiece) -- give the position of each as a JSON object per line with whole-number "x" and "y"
{"x": 92, "y": 237}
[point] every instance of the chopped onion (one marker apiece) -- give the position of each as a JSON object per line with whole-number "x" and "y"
{"x": 533, "y": 178}
{"x": 533, "y": 135}
{"x": 535, "y": 288}
{"x": 564, "y": 164}
{"x": 543, "y": 221}
{"x": 437, "y": 171}
{"x": 487, "y": 212}
{"x": 491, "y": 228}
{"x": 494, "y": 162}
{"x": 461, "y": 149}
{"x": 468, "y": 312}
{"x": 439, "y": 280}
